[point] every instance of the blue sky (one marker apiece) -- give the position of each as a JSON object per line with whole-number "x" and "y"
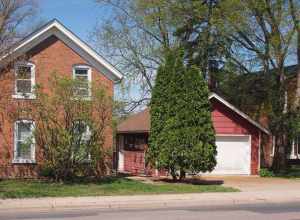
{"x": 78, "y": 15}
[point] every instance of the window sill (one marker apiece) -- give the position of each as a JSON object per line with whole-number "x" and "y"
{"x": 82, "y": 98}
{"x": 292, "y": 157}
{"x": 24, "y": 96}
{"x": 23, "y": 161}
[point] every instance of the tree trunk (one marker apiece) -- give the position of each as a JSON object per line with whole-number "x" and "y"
{"x": 280, "y": 160}
{"x": 281, "y": 142}
{"x": 182, "y": 174}
{"x": 296, "y": 21}
{"x": 208, "y": 46}
{"x": 173, "y": 174}
{"x": 297, "y": 95}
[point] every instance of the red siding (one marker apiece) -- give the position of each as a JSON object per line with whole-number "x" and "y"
{"x": 134, "y": 162}
{"x": 225, "y": 121}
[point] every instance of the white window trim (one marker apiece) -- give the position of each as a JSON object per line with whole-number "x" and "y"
{"x": 292, "y": 155}
{"x": 20, "y": 160}
{"x": 273, "y": 146}
{"x": 30, "y": 95}
{"x": 89, "y": 72}
{"x": 86, "y": 134}
{"x": 295, "y": 154}
{"x": 297, "y": 149}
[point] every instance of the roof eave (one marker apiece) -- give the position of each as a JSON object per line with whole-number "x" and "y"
{"x": 112, "y": 72}
{"x": 214, "y": 95}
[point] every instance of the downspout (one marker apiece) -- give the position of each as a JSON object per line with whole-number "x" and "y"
{"x": 259, "y": 151}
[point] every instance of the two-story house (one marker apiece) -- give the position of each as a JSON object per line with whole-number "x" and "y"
{"x": 52, "y": 48}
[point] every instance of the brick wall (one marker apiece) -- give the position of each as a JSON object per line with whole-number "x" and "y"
{"x": 51, "y": 56}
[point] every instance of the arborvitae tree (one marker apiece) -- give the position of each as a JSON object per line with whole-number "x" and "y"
{"x": 181, "y": 136}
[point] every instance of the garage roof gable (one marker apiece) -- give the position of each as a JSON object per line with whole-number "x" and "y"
{"x": 236, "y": 110}
{"x": 140, "y": 122}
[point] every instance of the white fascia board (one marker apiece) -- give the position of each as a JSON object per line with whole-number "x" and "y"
{"x": 71, "y": 40}
{"x": 242, "y": 114}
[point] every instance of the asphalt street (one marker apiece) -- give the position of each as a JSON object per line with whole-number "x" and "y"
{"x": 286, "y": 211}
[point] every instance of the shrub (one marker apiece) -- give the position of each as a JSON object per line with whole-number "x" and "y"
{"x": 70, "y": 129}
{"x": 182, "y": 137}
{"x": 264, "y": 172}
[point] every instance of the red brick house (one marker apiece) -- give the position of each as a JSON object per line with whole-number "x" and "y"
{"x": 238, "y": 140}
{"x": 52, "y": 48}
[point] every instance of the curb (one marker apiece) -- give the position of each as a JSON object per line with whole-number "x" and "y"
{"x": 151, "y": 201}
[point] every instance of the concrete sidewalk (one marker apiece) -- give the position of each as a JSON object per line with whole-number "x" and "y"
{"x": 154, "y": 201}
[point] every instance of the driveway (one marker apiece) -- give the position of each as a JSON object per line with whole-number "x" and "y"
{"x": 254, "y": 183}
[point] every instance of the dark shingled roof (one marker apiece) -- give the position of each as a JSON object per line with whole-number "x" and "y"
{"x": 138, "y": 123}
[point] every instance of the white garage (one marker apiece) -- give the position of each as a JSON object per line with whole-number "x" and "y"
{"x": 234, "y": 155}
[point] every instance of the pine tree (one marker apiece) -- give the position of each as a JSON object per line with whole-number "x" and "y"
{"x": 182, "y": 136}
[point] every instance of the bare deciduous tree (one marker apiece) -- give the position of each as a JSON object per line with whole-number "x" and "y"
{"x": 13, "y": 14}
{"x": 133, "y": 39}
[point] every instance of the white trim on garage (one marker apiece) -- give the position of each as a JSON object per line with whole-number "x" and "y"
{"x": 242, "y": 114}
{"x": 121, "y": 153}
{"x": 236, "y": 172}
{"x": 259, "y": 151}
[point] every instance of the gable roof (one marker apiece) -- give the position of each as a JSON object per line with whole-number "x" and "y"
{"x": 236, "y": 110}
{"x": 54, "y": 27}
{"x": 140, "y": 122}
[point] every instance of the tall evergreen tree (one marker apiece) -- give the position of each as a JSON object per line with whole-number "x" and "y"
{"x": 182, "y": 136}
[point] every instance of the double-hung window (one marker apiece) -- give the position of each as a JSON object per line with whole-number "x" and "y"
{"x": 24, "y": 80}
{"x": 24, "y": 143}
{"x": 83, "y": 77}
{"x": 297, "y": 147}
{"x": 82, "y": 137}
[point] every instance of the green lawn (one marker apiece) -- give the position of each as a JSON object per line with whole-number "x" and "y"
{"x": 292, "y": 173}
{"x": 110, "y": 186}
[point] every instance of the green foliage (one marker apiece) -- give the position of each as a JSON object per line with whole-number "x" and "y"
{"x": 182, "y": 136}
{"x": 292, "y": 173}
{"x": 253, "y": 94}
{"x": 70, "y": 129}
{"x": 204, "y": 41}
{"x": 264, "y": 172}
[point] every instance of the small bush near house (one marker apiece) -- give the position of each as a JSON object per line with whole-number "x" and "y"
{"x": 264, "y": 172}
{"x": 70, "y": 125}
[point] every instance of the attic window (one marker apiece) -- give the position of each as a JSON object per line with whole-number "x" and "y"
{"x": 25, "y": 80}
{"x": 83, "y": 76}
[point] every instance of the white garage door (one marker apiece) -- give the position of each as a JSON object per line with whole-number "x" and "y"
{"x": 234, "y": 155}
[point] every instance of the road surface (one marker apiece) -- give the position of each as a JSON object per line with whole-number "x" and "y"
{"x": 286, "y": 211}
